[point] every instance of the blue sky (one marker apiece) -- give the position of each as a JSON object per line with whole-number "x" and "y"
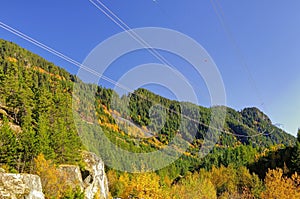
{"x": 257, "y": 51}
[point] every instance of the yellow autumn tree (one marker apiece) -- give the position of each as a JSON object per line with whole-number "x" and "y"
{"x": 146, "y": 185}
{"x": 52, "y": 180}
{"x": 116, "y": 185}
{"x": 142, "y": 185}
{"x": 194, "y": 186}
{"x": 280, "y": 187}
{"x": 224, "y": 179}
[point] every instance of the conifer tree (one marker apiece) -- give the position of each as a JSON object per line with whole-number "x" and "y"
{"x": 296, "y": 155}
{"x": 8, "y": 145}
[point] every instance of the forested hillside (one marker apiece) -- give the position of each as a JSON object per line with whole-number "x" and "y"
{"x": 36, "y": 96}
{"x": 36, "y": 114}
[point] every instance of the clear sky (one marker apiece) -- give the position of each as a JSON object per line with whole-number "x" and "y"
{"x": 254, "y": 43}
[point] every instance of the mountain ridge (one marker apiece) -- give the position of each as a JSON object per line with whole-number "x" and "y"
{"x": 247, "y": 117}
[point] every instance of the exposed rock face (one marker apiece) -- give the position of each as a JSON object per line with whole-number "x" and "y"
{"x": 74, "y": 177}
{"x": 20, "y": 186}
{"x": 92, "y": 181}
{"x": 95, "y": 180}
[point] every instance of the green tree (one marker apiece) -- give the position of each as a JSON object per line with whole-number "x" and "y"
{"x": 296, "y": 155}
{"x": 8, "y": 145}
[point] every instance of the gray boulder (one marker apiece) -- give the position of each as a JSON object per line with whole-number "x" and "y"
{"x": 20, "y": 186}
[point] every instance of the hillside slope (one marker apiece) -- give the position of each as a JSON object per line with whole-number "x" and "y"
{"x": 37, "y": 96}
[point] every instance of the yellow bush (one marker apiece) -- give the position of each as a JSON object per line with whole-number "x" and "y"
{"x": 278, "y": 186}
{"x": 53, "y": 181}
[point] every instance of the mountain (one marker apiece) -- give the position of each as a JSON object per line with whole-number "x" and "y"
{"x": 249, "y": 126}
{"x": 37, "y": 96}
{"x": 43, "y": 112}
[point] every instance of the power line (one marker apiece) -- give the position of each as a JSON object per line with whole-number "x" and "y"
{"x": 221, "y": 16}
{"x": 61, "y": 55}
{"x": 118, "y": 21}
{"x": 105, "y": 10}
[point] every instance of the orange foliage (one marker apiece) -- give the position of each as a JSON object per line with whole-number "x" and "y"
{"x": 40, "y": 70}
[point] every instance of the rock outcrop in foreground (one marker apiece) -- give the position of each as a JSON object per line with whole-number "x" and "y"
{"x": 92, "y": 181}
{"x": 20, "y": 186}
{"x": 96, "y": 181}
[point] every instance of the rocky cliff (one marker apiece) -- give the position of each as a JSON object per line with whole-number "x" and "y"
{"x": 16, "y": 186}
{"x": 92, "y": 181}
{"x": 95, "y": 180}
